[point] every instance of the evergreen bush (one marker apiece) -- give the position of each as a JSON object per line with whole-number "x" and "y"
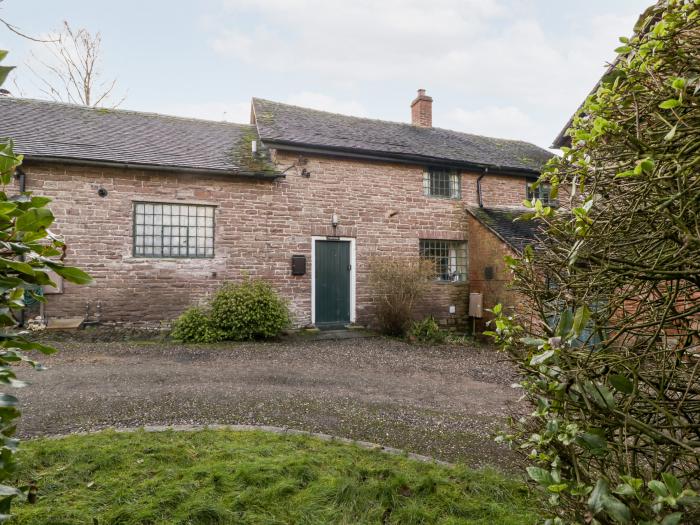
{"x": 613, "y": 362}
{"x": 194, "y": 326}
{"x": 248, "y": 310}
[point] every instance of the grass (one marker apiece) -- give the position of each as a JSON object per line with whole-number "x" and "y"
{"x": 221, "y": 477}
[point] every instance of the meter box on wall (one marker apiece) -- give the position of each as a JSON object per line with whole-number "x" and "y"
{"x": 476, "y": 308}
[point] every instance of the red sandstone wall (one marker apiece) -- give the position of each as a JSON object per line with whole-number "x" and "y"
{"x": 487, "y": 250}
{"x": 259, "y": 226}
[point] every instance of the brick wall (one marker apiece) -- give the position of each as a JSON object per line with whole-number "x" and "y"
{"x": 259, "y": 226}
{"x": 490, "y": 276}
{"x": 496, "y": 190}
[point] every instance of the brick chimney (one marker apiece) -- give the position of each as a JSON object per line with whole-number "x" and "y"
{"x": 422, "y": 110}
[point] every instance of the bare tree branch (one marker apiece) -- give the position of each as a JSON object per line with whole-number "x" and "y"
{"x": 16, "y": 30}
{"x": 72, "y": 71}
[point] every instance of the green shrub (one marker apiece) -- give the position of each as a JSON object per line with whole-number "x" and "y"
{"x": 194, "y": 326}
{"x": 248, "y": 310}
{"x": 428, "y": 331}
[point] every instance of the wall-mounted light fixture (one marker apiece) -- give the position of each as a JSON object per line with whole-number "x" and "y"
{"x": 334, "y": 220}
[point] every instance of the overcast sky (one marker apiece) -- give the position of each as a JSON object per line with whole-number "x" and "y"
{"x": 504, "y": 68}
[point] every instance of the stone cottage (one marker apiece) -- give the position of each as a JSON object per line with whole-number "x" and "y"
{"x": 162, "y": 210}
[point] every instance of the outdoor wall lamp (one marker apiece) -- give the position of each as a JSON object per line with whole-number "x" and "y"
{"x": 334, "y": 220}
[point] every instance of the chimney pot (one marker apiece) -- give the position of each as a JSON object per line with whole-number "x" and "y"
{"x": 422, "y": 110}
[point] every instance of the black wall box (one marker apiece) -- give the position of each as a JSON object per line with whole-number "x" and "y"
{"x": 298, "y": 264}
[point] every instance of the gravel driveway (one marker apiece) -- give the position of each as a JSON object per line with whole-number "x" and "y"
{"x": 445, "y": 402}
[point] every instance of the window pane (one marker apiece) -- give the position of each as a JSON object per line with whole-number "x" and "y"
{"x": 170, "y": 230}
{"x": 442, "y": 183}
{"x": 541, "y": 192}
{"x": 454, "y": 186}
{"x": 449, "y": 258}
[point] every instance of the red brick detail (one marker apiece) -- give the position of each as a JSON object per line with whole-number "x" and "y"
{"x": 487, "y": 250}
{"x": 422, "y": 110}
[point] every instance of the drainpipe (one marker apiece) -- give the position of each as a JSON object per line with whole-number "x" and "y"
{"x": 22, "y": 181}
{"x": 478, "y": 187}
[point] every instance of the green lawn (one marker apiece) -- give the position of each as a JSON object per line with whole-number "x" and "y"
{"x": 211, "y": 477}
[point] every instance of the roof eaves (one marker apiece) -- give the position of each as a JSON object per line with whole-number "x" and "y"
{"x": 153, "y": 167}
{"x": 394, "y": 157}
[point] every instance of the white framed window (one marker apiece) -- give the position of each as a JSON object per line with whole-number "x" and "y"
{"x": 449, "y": 257}
{"x": 173, "y": 230}
{"x": 542, "y": 192}
{"x": 442, "y": 183}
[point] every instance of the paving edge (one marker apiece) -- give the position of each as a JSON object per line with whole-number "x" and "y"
{"x": 265, "y": 428}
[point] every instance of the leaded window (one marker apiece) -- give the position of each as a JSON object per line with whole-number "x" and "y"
{"x": 449, "y": 257}
{"x": 543, "y": 192}
{"x": 441, "y": 183}
{"x": 173, "y": 230}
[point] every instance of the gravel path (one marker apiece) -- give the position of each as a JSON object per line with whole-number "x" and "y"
{"x": 444, "y": 402}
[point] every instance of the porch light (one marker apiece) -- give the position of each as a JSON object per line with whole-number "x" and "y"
{"x": 334, "y": 220}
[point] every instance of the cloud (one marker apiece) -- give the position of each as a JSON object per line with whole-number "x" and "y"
{"x": 492, "y": 120}
{"x": 507, "y": 122}
{"x": 358, "y": 40}
{"x": 485, "y": 48}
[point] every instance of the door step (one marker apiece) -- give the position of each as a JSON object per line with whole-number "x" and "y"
{"x": 64, "y": 323}
{"x": 325, "y": 335}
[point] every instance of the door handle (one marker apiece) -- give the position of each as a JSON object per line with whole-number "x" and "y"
{"x": 349, "y": 267}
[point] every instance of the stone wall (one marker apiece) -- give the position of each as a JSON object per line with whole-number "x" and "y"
{"x": 490, "y": 276}
{"x": 259, "y": 226}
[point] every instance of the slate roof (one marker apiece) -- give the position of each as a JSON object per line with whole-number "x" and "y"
{"x": 51, "y": 130}
{"x": 280, "y": 124}
{"x": 502, "y": 221}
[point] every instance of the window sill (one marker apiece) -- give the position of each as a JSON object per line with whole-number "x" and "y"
{"x": 442, "y": 198}
{"x": 137, "y": 258}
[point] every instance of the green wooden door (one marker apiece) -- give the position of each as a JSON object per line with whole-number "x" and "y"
{"x": 332, "y": 278}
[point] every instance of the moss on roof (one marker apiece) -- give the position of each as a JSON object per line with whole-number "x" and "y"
{"x": 44, "y": 129}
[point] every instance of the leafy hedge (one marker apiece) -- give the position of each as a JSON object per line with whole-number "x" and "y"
{"x": 29, "y": 252}
{"x": 612, "y": 363}
{"x": 238, "y": 312}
